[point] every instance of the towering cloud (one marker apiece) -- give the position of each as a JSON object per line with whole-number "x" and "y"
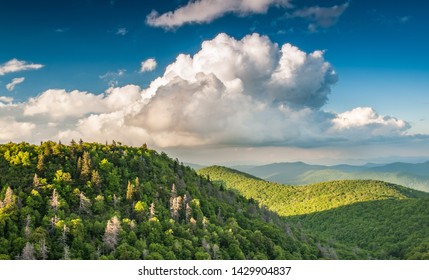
{"x": 249, "y": 92}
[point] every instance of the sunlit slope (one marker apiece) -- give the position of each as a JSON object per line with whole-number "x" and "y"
{"x": 298, "y": 200}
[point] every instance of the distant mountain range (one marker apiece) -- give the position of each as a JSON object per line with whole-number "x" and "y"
{"x": 362, "y": 219}
{"x": 412, "y": 175}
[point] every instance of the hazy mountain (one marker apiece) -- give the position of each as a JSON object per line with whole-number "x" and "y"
{"x": 413, "y": 175}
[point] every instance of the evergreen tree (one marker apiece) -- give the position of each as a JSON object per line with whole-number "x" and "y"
{"x": 28, "y": 252}
{"x": 111, "y": 234}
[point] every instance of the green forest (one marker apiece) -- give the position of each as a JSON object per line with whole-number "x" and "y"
{"x": 94, "y": 201}
{"x": 361, "y": 219}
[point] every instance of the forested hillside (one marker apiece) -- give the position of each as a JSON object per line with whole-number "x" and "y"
{"x": 93, "y": 201}
{"x": 298, "y": 200}
{"x": 359, "y": 219}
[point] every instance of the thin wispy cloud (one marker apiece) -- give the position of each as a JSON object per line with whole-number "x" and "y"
{"x": 11, "y": 86}
{"x": 112, "y": 77}
{"x": 323, "y": 17}
{"x": 205, "y": 11}
{"x": 15, "y": 65}
{"x": 122, "y": 31}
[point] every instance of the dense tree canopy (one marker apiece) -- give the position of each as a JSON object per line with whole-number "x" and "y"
{"x": 93, "y": 201}
{"x": 361, "y": 219}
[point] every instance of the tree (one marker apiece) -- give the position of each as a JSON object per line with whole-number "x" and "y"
{"x": 84, "y": 203}
{"x": 36, "y": 181}
{"x": 55, "y": 200}
{"x": 28, "y": 252}
{"x": 152, "y": 212}
{"x": 9, "y": 198}
{"x": 27, "y": 229}
{"x": 188, "y": 211}
{"x": 96, "y": 179}
{"x": 43, "y": 249}
{"x": 85, "y": 172}
{"x": 130, "y": 191}
{"x": 111, "y": 233}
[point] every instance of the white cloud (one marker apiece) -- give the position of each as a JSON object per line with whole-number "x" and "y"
{"x": 59, "y": 104}
{"x": 148, "y": 65}
{"x": 240, "y": 92}
{"x": 6, "y": 99}
{"x": 12, "y": 130}
{"x": 231, "y": 93}
{"x": 122, "y": 31}
{"x": 112, "y": 77}
{"x": 14, "y": 82}
{"x": 365, "y": 122}
{"x": 15, "y": 65}
{"x": 204, "y": 11}
{"x": 321, "y": 16}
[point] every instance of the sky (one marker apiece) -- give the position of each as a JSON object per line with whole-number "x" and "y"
{"x": 221, "y": 82}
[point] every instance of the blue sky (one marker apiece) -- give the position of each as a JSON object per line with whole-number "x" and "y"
{"x": 71, "y": 69}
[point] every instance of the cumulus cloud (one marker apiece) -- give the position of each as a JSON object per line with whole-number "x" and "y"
{"x": 11, "y": 86}
{"x": 324, "y": 17}
{"x": 241, "y": 92}
{"x": 148, "y": 65}
{"x": 5, "y": 99}
{"x": 59, "y": 104}
{"x": 205, "y": 11}
{"x": 231, "y": 93}
{"x": 365, "y": 122}
{"x": 13, "y": 130}
{"x": 16, "y": 65}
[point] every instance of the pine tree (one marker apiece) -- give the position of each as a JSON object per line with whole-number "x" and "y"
{"x": 9, "y": 198}
{"x": 85, "y": 172}
{"x": 111, "y": 233}
{"x": 152, "y": 212}
{"x": 188, "y": 211}
{"x": 36, "y": 181}
{"x": 54, "y": 200}
{"x": 28, "y": 252}
{"x": 40, "y": 163}
{"x": 84, "y": 203}
{"x": 66, "y": 254}
{"x": 115, "y": 201}
{"x": 130, "y": 191}
{"x": 27, "y": 229}
{"x": 43, "y": 249}
{"x": 96, "y": 179}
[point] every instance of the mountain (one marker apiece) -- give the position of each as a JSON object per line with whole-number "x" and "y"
{"x": 298, "y": 200}
{"x": 388, "y": 229}
{"x": 362, "y": 219}
{"x": 92, "y": 201}
{"x": 415, "y": 176}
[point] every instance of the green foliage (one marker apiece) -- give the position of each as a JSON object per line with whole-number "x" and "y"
{"x": 385, "y": 229}
{"x": 357, "y": 219}
{"x": 93, "y": 201}
{"x": 297, "y": 200}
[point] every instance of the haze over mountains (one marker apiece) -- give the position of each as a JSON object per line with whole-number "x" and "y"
{"x": 413, "y": 175}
